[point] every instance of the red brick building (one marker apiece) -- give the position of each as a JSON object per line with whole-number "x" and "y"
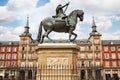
{"x": 8, "y": 58}
{"x": 111, "y": 58}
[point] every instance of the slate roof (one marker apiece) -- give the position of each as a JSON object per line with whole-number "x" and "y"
{"x": 5, "y": 43}
{"x": 110, "y": 42}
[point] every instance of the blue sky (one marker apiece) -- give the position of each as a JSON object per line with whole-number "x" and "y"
{"x": 13, "y": 15}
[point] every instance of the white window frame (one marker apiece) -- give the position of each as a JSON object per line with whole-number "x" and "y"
{"x": 112, "y": 48}
{"x": 3, "y": 49}
{"x": 105, "y": 48}
{"x": 7, "y": 56}
{"x": 8, "y": 49}
{"x": 113, "y": 56}
{"x": 14, "y": 49}
{"x": 30, "y": 64}
{"x": 106, "y": 55}
{"x": 82, "y": 55}
{"x": 118, "y": 55}
{"x": 90, "y": 55}
{"x": 82, "y": 48}
{"x": 107, "y": 64}
{"x": 1, "y": 63}
{"x": 2, "y": 56}
{"x": 7, "y": 64}
{"x": 119, "y": 48}
{"x": 14, "y": 56}
{"x": 114, "y": 64}
{"x": 13, "y": 64}
{"x": 22, "y": 64}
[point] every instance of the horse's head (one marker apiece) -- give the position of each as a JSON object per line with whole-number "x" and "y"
{"x": 80, "y": 14}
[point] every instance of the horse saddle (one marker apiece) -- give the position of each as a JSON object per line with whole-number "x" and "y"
{"x": 59, "y": 19}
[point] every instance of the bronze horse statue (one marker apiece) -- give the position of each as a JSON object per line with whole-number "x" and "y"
{"x": 60, "y": 25}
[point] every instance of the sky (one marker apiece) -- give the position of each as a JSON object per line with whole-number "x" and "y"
{"x": 13, "y": 15}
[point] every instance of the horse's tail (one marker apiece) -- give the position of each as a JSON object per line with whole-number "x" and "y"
{"x": 39, "y": 32}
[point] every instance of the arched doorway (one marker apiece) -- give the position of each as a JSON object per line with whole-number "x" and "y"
{"x": 98, "y": 75}
{"x": 30, "y": 74}
{"x": 82, "y": 74}
{"x": 22, "y": 75}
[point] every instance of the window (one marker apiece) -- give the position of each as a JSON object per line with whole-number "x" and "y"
{"x": 119, "y": 63}
{"x": 82, "y": 55}
{"x": 90, "y": 56}
{"x": 118, "y": 48}
{"x": 112, "y": 48}
{"x": 13, "y": 64}
{"x": 14, "y": 49}
{"x": 1, "y": 64}
{"x": 7, "y": 56}
{"x": 114, "y": 63}
{"x": 105, "y": 48}
{"x": 30, "y": 64}
{"x": 106, "y": 56}
{"x": 24, "y": 41}
{"x": 23, "y": 48}
{"x": 9, "y": 49}
{"x": 90, "y": 63}
{"x": 7, "y": 64}
{"x": 30, "y": 56}
{"x": 107, "y": 63}
{"x": 89, "y": 47}
{"x": 97, "y": 63}
{"x": 23, "y": 56}
{"x": 13, "y": 56}
{"x": 97, "y": 55}
{"x": 22, "y": 64}
{"x": 119, "y": 55}
{"x": 82, "y": 63}
{"x": 3, "y": 49}
{"x": 1, "y": 56}
{"x": 113, "y": 56}
{"x": 82, "y": 48}
{"x": 97, "y": 48}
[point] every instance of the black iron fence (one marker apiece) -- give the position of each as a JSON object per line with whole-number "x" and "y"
{"x": 57, "y": 72}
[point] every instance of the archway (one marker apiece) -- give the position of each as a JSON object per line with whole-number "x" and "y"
{"x": 30, "y": 74}
{"x": 22, "y": 75}
{"x": 82, "y": 74}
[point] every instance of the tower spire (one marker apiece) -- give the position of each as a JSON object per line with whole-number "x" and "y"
{"x": 93, "y": 23}
{"x": 93, "y": 26}
{"x": 27, "y": 25}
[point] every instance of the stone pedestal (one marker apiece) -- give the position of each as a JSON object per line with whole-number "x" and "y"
{"x": 57, "y": 61}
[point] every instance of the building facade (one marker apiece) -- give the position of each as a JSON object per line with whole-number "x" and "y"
{"x": 8, "y": 59}
{"x": 111, "y": 59}
{"x": 27, "y": 56}
{"x": 89, "y": 56}
{"x": 96, "y": 60}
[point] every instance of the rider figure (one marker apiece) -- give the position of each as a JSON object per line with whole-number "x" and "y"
{"x": 61, "y": 14}
{"x": 59, "y": 11}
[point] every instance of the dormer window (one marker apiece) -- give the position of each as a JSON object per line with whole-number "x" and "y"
{"x": 10, "y": 43}
{"x": 111, "y": 43}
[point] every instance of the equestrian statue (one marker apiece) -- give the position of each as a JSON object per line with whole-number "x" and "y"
{"x": 60, "y": 23}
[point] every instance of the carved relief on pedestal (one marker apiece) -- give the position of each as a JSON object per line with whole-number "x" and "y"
{"x": 57, "y": 62}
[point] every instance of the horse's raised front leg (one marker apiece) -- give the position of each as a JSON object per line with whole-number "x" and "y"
{"x": 72, "y": 33}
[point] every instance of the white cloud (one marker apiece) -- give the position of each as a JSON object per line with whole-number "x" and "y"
{"x": 8, "y": 34}
{"x": 104, "y": 11}
{"x": 111, "y": 36}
